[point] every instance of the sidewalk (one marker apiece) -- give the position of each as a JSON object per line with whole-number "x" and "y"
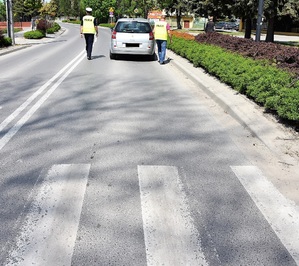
{"x": 21, "y": 42}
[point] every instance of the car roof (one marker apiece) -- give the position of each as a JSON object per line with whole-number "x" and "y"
{"x": 133, "y": 19}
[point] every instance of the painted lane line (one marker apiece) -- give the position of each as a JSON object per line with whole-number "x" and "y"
{"x": 170, "y": 236}
{"x": 281, "y": 213}
{"x": 6, "y": 138}
{"x": 37, "y": 93}
{"x": 49, "y": 233}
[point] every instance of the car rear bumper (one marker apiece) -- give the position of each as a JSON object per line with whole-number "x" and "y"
{"x": 138, "y": 50}
{"x": 127, "y": 51}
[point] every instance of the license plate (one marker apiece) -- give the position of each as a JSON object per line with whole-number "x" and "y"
{"x": 132, "y": 44}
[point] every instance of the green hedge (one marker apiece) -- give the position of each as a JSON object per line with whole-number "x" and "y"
{"x": 72, "y": 21}
{"x": 34, "y": 34}
{"x": 54, "y": 28}
{"x": 5, "y": 41}
{"x": 107, "y": 25}
{"x": 38, "y": 34}
{"x": 269, "y": 86}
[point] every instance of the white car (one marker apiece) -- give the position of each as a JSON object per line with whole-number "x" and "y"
{"x": 132, "y": 36}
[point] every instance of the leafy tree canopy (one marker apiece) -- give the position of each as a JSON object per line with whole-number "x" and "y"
{"x": 2, "y": 11}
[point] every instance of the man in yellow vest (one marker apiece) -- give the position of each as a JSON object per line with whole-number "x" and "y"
{"x": 89, "y": 28}
{"x": 161, "y": 32}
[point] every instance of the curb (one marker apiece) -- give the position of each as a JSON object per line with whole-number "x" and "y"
{"x": 11, "y": 49}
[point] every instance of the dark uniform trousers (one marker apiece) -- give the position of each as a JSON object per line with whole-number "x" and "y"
{"x": 89, "y": 38}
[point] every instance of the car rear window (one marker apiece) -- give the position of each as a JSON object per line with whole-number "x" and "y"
{"x": 133, "y": 27}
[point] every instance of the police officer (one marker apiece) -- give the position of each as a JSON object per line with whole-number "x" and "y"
{"x": 89, "y": 28}
{"x": 161, "y": 32}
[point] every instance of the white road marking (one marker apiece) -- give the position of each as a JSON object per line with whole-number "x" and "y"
{"x": 34, "y": 95}
{"x": 6, "y": 138}
{"x": 281, "y": 213}
{"x": 49, "y": 233}
{"x": 170, "y": 235}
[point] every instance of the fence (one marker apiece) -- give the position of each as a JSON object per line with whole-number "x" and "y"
{"x": 21, "y": 25}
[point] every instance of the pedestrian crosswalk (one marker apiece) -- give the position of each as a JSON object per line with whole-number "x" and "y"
{"x": 48, "y": 235}
{"x": 282, "y": 214}
{"x": 170, "y": 235}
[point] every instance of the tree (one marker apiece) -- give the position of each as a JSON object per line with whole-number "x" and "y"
{"x": 49, "y": 10}
{"x": 215, "y": 8}
{"x": 26, "y": 9}
{"x": 175, "y": 6}
{"x": 64, "y": 8}
{"x": 274, "y": 9}
{"x": 2, "y": 11}
{"x": 100, "y": 8}
{"x": 247, "y": 10}
{"x": 133, "y": 8}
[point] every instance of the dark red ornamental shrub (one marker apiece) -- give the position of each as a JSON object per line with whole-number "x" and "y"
{"x": 282, "y": 56}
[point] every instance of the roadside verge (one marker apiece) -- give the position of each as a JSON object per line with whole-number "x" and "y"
{"x": 274, "y": 135}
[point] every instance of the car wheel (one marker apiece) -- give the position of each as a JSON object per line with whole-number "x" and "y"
{"x": 152, "y": 57}
{"x": 112, "y": 56}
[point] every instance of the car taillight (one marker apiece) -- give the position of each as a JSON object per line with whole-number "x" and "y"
{"x": 113, "y": 35}
{"x": 151, "y": 36}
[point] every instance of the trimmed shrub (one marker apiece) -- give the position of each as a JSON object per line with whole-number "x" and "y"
{"x": 279, "y": 55}
{"x": 72, "y": 21}
{"x": 54, "y": 28}
{"x": 35, "y": 34}
{"x": 4, "y": 41}
{"x": 274, "y": 88}
{"x": 51, "y": 31}
{"x": 107, "y": 25}
{"x": 42, "y": 25}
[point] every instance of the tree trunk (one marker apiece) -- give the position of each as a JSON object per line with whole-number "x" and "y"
{"x": 248, "y": 28}
{"x": 178, "y": 18}
{"x": 270, "y": 30}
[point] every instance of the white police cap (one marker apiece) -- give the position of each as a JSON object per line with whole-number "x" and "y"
{"x": 88, "y": 9}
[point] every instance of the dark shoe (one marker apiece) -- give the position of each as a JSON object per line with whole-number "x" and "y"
{"x": 89, "y": 57}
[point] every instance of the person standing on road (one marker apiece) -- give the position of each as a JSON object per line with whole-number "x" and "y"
{"x": 210, "y": 27}
{"x": 33, "y": 25}
{"x": 161, "y": 33}
{"x": 89, "y": 28}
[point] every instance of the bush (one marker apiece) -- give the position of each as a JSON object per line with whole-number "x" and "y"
{"x": 53, "y": 28}
{"x": 51, "y": 31}
{"x": 4, "y": 41}
{"x": 42, "y": 25}
{"x": 274, "y": 88}
{"x": 35, "y": 34}
{"x": 72, "y": 21}
{"x": 282, "y": 56}
{"x": 107, "y": 25}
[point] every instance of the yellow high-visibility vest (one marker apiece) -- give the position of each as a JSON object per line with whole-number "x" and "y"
{"x": 88, "y": 24}
{"x": 160, "y": 30}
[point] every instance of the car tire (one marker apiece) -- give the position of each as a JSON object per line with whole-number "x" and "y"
{"x": 112, "y": 56}
{"x": 152, "y": 57}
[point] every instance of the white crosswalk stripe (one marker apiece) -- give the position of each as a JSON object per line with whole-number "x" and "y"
{"x": 170, "y": 236}
{"x": 49, "y": 233}
{"x": 282, "y": 214}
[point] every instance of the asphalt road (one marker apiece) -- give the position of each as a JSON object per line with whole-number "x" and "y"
{"x": 123, "y": 162}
